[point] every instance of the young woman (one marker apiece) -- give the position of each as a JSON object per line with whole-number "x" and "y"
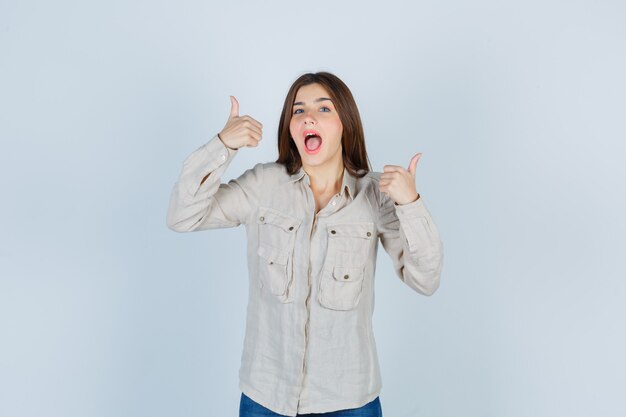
{"x": 313, "y": 220}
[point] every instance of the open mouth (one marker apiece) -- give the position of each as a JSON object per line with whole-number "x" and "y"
{"x": 312, "y": 141}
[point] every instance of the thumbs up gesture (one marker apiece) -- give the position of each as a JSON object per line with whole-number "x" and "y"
{"x": 399, "y": 183}
{"x": 240, "y": 131}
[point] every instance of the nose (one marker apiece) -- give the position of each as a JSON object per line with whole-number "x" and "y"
{"x": 308, "y": 119}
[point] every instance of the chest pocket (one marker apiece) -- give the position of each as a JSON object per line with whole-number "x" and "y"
{"x": 277, "y": 238}
{"x": 343, "y": 274}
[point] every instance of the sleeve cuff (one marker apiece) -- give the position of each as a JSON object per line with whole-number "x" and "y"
{"x": 413, "y": 209}
{"x": 206, "y": 160}
{"x": 218, "y": 152}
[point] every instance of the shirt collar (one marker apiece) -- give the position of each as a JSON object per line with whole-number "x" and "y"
{"x": 348, "y": 182}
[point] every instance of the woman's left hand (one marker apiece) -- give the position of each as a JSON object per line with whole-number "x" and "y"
{"x": 399, "y": 183}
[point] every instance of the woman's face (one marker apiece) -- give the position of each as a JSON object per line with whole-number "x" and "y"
{"x": 314, "y": 112}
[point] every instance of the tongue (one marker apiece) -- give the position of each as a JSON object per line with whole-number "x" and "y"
{"x": 313, "y": 143}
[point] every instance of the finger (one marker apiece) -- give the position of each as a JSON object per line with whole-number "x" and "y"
{"x": 234, "y": 107}
{"x": 413, "y": 163}
{"x": 393, "y": 168}
{"x": 255, "y": 135}
{"x": 254, "y": 130}
{"x": 388, "y": 175}
{"x": 252, "y": 121}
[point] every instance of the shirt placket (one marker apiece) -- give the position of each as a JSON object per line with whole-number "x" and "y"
{"x": 333, "y": 205}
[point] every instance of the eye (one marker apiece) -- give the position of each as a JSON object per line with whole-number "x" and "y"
{"x": 296, "y": 111}
{"x": 326, "y": 108}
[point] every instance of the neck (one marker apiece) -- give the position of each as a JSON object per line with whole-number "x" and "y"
{"x": 326, "y": 178}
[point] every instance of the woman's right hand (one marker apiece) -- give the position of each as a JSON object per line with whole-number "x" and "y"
{"x": 240, "y": 131}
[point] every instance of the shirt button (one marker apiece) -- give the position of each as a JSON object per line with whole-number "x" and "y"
{"x": 346, "y": 276}
{"x": 368, "y": 234}
{"x": 223, "y": 157}
{"x": 290, "y": 227}
{"x": 261, "y": 218}
{"x": 333, "y": 202}
{"x": 333, "y": 232}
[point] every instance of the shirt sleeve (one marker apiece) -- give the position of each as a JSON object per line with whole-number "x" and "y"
{"x": 196, "y": 205}
{"x": 409, "y": 235}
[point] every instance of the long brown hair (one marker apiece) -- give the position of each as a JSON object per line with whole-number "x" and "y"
{"x": 352, "y": 138}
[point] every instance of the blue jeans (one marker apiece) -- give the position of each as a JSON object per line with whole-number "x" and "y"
{"x": 250, "y": 408}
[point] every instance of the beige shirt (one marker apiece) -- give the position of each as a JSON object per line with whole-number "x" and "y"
{"x": 308, "y": 345}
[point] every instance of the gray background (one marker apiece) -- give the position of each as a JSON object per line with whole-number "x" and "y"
{"x": 518, "y": 108}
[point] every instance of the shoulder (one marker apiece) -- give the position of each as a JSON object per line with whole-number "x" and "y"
{"x": 275, "y": 172}
{"x": 272, "y": 173}
{"x": 271, "y": 169}
{"x": 373, "y": 176}
{"x": 369, "y": 183}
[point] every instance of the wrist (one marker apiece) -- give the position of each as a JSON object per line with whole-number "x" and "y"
{"x": 224, "y": 143}
{"x": 409, "y": 202}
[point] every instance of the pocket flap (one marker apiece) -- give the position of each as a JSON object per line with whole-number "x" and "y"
{"x": 347, "y": 273}
{"x": 273, "y": 255}
{"x": 268, "y": 215}
{"x": 360, "y": 230}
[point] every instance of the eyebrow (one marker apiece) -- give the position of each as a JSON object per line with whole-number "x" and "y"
{"x": 300, "y": 103}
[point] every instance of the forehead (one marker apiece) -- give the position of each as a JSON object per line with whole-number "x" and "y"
{"x": 308, "y": 93}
